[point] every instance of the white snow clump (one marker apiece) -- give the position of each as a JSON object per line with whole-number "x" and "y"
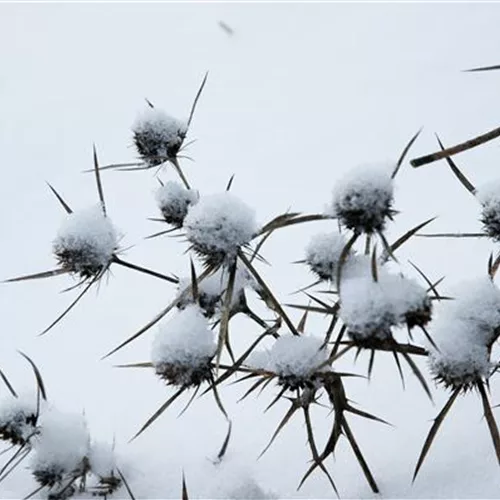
{"x": 158, "y": 136}
{"x": 465, "y": 332}
{"x": 296, "y": 358}
{"x": 323, "y": 254}
{"x": 174, "y": 200}
{"x": 362, "y": 199}
{"x": 183, "y": 348}
{"x": 86, "y": 242}
{"x": 218, "y": 225}
{"x": 370, "y": 308}
{"x": 61, "y": 447}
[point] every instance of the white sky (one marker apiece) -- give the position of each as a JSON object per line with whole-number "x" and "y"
{"x": 297, "y": 96}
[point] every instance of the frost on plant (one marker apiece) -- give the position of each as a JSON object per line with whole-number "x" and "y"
{"x": 183, "y": 349}
{"x": 297, "y": 360}
{"x": 218, "y": 226}
{"x": 363, "y": 199}
{"x": 323, "y": 254}
{"x": 173, "y": 201}
{"x": 61, "y": 448}
{"x": 18, "y": 419}
{"x": 158, "y": 136}
{"x": 86, "y": 242}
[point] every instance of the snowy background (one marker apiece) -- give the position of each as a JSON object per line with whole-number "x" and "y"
{"x": 296, "y": 97}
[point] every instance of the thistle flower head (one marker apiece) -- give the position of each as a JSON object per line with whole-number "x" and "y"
{"x": 372, "y": 308}
{"x": 61, "y": 448}
{"x": 18, "y": 420}
{"x": 158, "y": 136}
{"x": 174, "y": 201}
{"x": 218, "y": 226}
{"x": 489, "y": 197}
{"x": 183, "y": 349}
{"x": 363, "y": 199}
{"x": 296, "y": 360}
{"x": 86, "y": 242}
{"x": 323, "y": 254}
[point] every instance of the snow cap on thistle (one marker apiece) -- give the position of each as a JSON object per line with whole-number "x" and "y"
{"x": 295, "y": 359}
{"x": 489, "y": 197}
{"x": 323, "y": 254}
{"x": 174, "y": 201}
{"x": 86, "y": 242}
{"x": 465, "y": 332}
{"x": 61, "y": 448}
{"x": 158, "y": 136}
{"x": 363, "y": 198}
{"x": 183, "y": 348}
{"x": 371, "y": 308}
{"x": 18, "y": 419}
{"x": 218, "y": 226}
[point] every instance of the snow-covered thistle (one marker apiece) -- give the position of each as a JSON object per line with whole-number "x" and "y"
{"x": 183, "y": 349}
{"x": 218, "y": 226}
{"x": 102, "y": 463}
{"x": 85, "y": 243}
{"x": 297, "y": 360}
{"x": 323, "y": 254}
{"x": 86, "y": 246}
{"x": 158, "y": 136}
{"x": 174, "y": 201}
{"x": 18, "y": 419}
{"x": 370, "y": 308}
{"x": 489, "y": 197}
{"x": 61, "y": 450}
{"x": 465, "y": 332}
{"x": 363, "y": 199}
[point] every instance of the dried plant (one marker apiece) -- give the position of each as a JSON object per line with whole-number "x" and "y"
{"x": 368, "y": 301}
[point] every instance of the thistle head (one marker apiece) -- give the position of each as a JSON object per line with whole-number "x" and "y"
{"x": 157, "y": 136}
{"x": 363, "y": 199}
{"x": 85, "y": 243}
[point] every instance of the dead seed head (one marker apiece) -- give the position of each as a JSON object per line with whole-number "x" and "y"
{"x": 419, "y": 316}
{"x": 363, "y": 200}
{"x": 185, "y": 375}
{"x": 158, "y": 137}
{"x": 18, "y": 427}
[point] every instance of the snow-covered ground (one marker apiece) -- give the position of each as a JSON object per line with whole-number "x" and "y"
{"x": 295, "y": 98}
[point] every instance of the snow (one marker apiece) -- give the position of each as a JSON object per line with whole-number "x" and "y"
{"x": 297, "y": 356}
{"x": 62, "y": 444}
{"x": 174, "y": 200}
{"x": 17, "y": 418}
{"x": 459, "y": 362}
{"x": 219, "y": 224}
{"x": 157, "y": 135}
{"x": 489, "y": 197}
{"x": 86, "y": 241}
{"x": 323, "y": 254}
{"x": 102, "y": 459}
{"x": 362, "y": 199}
{"x": 371, "y": 309}
{"x": 288, "y": 138}
{"x": 185, "y": 340}
{"x": 465, "y": 331}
